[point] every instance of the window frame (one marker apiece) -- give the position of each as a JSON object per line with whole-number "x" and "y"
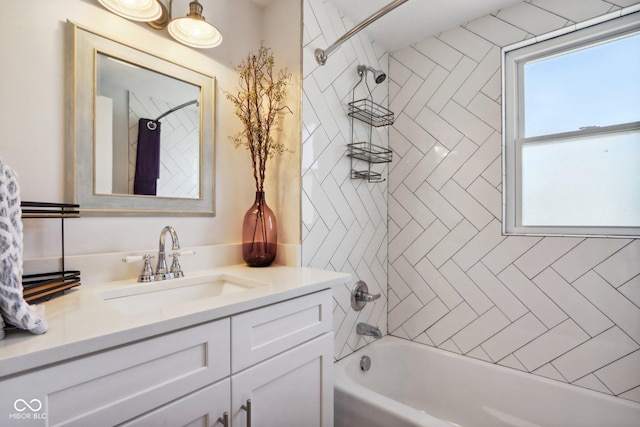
{"x": 514, "y": 57}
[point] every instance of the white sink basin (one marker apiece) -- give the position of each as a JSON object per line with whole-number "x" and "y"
{"x": 166, "y": 295}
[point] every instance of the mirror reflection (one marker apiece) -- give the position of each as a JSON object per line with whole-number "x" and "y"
{"x": 139, "y": 130}
{"x": 147, "y": 132}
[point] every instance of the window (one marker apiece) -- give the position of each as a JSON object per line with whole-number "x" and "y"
{"x": 572, "y": 133}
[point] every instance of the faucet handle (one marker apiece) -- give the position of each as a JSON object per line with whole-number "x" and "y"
{"x": 147, "y": 272}
{"x": 176, "y": 270}
{"x": 360, "y": 296}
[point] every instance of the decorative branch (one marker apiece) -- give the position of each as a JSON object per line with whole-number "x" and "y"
{"x": 259, "y": 105}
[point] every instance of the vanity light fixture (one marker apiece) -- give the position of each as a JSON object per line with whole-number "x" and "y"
{"x": 192, "y": 30}
{"x": 135, "y": 10}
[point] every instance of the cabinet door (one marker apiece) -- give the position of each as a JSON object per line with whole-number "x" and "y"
{"x": 267, "y": 331}
{"x": 202, "y": 408}
{"x": 293, "y": 389}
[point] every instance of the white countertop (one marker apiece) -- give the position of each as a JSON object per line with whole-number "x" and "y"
{"x": 81, "y": 321}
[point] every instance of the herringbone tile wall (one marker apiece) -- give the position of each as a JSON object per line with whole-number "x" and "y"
{"x": 563, "y": 308}
{"x": 344, "y": 221}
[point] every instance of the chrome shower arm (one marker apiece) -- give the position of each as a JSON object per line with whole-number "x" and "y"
{"x": 322, "y": 55}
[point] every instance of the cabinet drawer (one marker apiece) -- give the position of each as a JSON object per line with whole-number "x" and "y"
{"x": 201, "y": 408}
{"x": 116, "y": 385}
{"x": 265, "y": 332}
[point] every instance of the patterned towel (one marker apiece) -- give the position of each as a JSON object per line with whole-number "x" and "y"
{"x": 13, "y": 307}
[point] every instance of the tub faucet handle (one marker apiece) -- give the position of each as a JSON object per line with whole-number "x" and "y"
{"x": 360, "y": 296}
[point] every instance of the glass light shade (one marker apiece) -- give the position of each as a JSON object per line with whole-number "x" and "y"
{"x": 135, "y": 10}
{"x": 195, "y": 32}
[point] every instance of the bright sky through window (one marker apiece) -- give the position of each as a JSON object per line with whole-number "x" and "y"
{"x": 596, "y": 86}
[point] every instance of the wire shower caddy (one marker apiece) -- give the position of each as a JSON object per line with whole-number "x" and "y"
{"x": 375, "y": 115}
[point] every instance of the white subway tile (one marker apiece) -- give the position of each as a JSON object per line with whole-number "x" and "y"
{"x": 631, "y": 290}
{"x": 426, "y": 165}
{"x": 415, "y": 61}
{"x": 451, "y": 243}
{"x": 416, "y": 208}
{"x": 496, "y": 31}
{"x": 574, "y": 10}
{"x": 443, "y": 289}
{"x": 426, "y": 91}
{"x": 572, "y": 302}
{"x": 466, "y": 42}
{"x": 532, "y": 19}
{"x": 605, "y": 348}
{"x": 587, "y": 254}
{"x": 633, "y": 394}
{"x": 478, "y": 78}
{"x": 480, "y": 329}
{"x": 514, "y": 336}
{"x": 425, "y": 242}
{"x": 489, "y": 196}
{"x": 405, "y": 94}
{"x": 442, "y": 131}
{"x": 469, "y": 291}
{"x": 451, "y": 323}
{"x": 451, "y": 84}
{"x": 403, "y": 239}
{"x": 486, "y": 109}
{"x": 397, "y": 284}
{"x": 404, "y": 167}
{"x": 493, "y": 173}
{"x": 411, "y": 130}
{"x": 497, "y": 292}
{"x": 416, "y": 282}
{"x": 621, "y": 375}
{"x": 403, "y": 311}
{"x": 482, "y": 243}
{"x": 398, "y": 72}
{"x": 549, "y": 371}
{"x": 480, "y": 161}
{"x": 493, "y": 88}
{"x": 511, "y": 362}
{"x": 621, "y": 266}
{"x": 593, "y": 383}
{"x": 451, "y": 163}
{"x": 531, "y": 296}
{"x": 544, "y": 253}
{"x": 469, "y": 207}
{"x": 396, "y": 211}
{"x": 439, "y": 52}
{"x": 508, "y": 251}
{"x": 619, "y": 309}
{"x": 471, "y": 126}
{"x": 424, "y": 318}
{"x": 446, "y": 213}
{"x": 551, "y": 344}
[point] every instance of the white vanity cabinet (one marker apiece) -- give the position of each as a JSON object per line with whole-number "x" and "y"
{"x": 281, "y": 362}
{"x": 275, "y": 361}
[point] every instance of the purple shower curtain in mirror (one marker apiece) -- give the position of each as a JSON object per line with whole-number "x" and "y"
{"x": 147, "y": 158}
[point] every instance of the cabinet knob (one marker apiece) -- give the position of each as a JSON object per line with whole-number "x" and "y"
{"x": 247, "y": 408}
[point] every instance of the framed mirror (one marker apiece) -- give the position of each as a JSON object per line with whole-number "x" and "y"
{"x": 139, "y": 131}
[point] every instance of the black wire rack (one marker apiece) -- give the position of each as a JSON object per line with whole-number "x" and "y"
{"x": 44, "y": 286}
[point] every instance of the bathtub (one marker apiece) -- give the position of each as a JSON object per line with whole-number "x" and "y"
{"x": 411, "y": 384}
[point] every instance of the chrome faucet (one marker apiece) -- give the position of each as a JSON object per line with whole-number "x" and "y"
{"x": 161, "y": 269}
{"x": 366, "y": 329}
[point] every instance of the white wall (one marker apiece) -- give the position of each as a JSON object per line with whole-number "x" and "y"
{"x": 344, "y": 221}
{"x": 563, "y": 308}
{"x": 32, "y": 123}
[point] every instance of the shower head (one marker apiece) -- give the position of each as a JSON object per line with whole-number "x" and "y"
{"x": 378, "y": 75}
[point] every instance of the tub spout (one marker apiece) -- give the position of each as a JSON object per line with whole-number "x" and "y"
{"x": 366, "y": 329}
